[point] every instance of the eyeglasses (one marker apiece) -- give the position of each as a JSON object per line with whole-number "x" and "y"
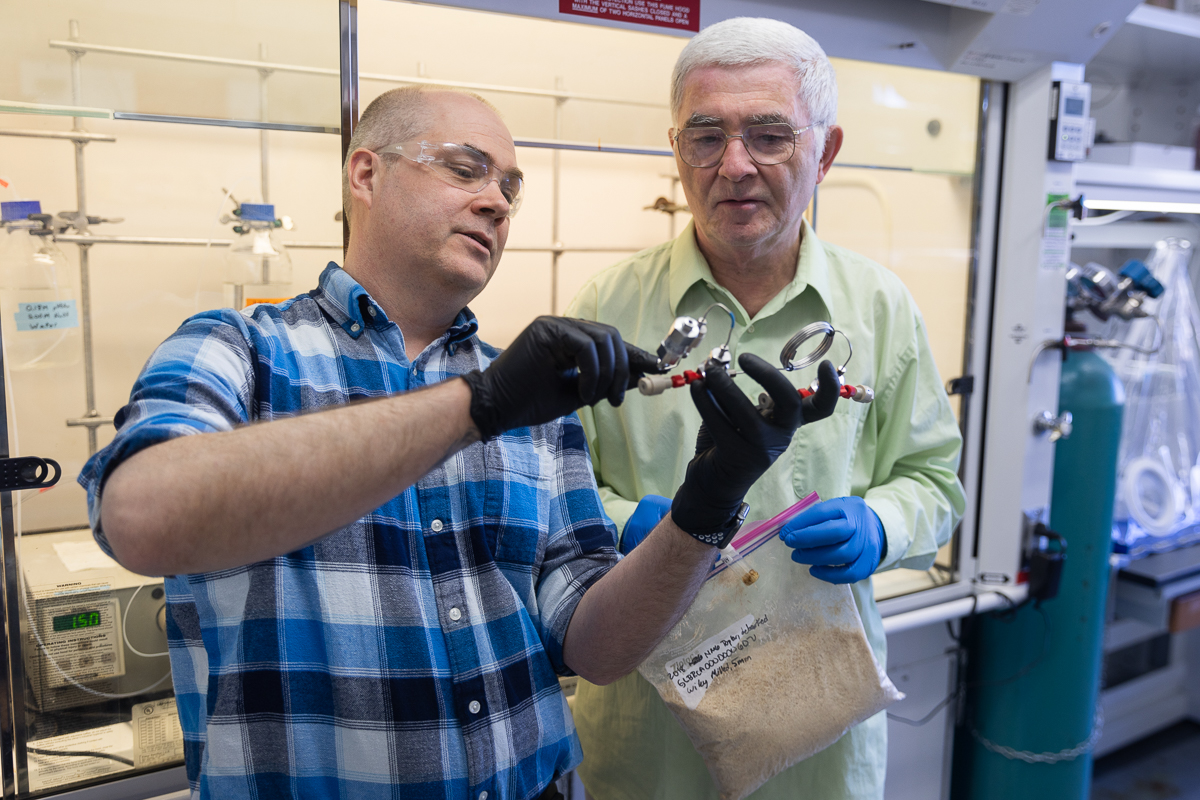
{"x": 463, "y": 168}
{"x": 773, "y": 143}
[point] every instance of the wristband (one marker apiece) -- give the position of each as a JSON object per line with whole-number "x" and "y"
{"x": 721, "y": 538}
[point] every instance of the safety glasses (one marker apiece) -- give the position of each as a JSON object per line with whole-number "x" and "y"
{"x": 463, "y": 168}
{"x": 772, "y": 143}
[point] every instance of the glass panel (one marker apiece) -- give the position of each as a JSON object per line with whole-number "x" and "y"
{"x": 907, "y": 118}
{"x": 907, "y": 201}
{"x": 914, "y": 215}
{"x": 589, "y": 65}
{"x": 135, "y": 56}
{"x": 98, "y": 702}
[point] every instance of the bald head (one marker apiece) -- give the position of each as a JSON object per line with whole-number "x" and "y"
{"x": 397, "y": 115}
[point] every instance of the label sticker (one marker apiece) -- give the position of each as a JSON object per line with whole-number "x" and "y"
{"x": 987, "y": 60}
{"x": 46, "y": 316}
{"x": 52, "y": 763}
{"x": 695, "y": 672}
{"x": 680, "y": 14}
{"x": 157, "y": 737}
{"x": 1056, "y": 242}
{"x": 1021, "y": 8}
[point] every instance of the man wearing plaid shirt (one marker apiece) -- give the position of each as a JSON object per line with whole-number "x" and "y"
{"x": 376, "y": 600}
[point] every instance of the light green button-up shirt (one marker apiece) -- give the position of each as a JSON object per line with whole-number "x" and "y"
{"x": 900, "y": 453}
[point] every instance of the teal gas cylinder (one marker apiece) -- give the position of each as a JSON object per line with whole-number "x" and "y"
{"x": 1034, "y": 675}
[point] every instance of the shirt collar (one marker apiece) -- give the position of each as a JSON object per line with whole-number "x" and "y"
{"x": 351, "y": 305}
{"x": 689, "y": 267}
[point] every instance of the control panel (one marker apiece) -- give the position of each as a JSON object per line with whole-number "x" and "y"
{"x": 90, "y": 625}
{"x": 1071, "y": 124}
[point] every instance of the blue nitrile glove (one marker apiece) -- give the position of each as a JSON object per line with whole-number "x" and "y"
{"x": 649, "y": 512}
{"x": 842, "y": 538}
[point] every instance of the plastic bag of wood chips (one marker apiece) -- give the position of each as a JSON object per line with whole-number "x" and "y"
{"x": 769, "y": 665}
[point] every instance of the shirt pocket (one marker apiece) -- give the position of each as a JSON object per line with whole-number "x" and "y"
{"x": 518, "y": 501}
{"x": 824, "y": 451}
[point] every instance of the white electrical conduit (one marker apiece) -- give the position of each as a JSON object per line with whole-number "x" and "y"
{"x": 955, "y": 609}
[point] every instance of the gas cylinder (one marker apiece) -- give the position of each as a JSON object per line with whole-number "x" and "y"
{"x": 1033, "y": 674}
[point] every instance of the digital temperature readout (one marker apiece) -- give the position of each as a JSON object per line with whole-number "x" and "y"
{"x": 80, "y": 619}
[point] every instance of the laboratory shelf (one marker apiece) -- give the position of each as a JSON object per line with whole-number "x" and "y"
{"x": 1132, "y": 235}
{"x": 1120, "y": 182}
{"x": 1154, "y": 41}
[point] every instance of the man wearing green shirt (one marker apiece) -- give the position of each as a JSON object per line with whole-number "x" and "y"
{"x": 754, "y": 102}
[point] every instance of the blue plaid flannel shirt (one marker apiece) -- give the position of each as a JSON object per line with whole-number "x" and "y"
{"x": 411, "y": 654}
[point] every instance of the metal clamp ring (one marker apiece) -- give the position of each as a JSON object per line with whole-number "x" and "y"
{"x": 788, "y": 353}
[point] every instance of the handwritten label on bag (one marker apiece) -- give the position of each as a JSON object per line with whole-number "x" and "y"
{"x": 695, "y": 672}
{"x": 46, "y": 316}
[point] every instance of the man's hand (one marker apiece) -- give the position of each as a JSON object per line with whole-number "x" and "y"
{"x": 843, "y": 538}
{"x": 649, "y": 512}
{"x": 555, "y": 366}
{"x": 821, "y": 404}
{"x": 738, "y": 442}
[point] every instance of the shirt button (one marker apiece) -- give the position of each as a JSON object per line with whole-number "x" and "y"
{"x": 371, "y": 310}
{"x": 474, "y": 709}
{"x": 483, "y": 796}
{"x": 750, "y": 329}
{"x": 354, "y": 328}
{"x": 455, "y": 614}
{"x": 436, "y": 525}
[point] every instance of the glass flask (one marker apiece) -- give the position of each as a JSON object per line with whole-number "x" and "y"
{"x": 258, "y": 267}
{"x": 39, "y": 288}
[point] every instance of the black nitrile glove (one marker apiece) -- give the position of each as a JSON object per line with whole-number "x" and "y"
{"x": 737, "y": 442}
{"x": 821, "y": 404}
{"x": 555, "y": 366}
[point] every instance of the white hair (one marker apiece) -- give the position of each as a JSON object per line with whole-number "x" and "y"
{"x": 750, "y": 41}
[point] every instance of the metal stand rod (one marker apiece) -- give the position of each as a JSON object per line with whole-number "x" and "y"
{"x": 556, "y": 199}
{"x": 594, "y": 147}
{"x": 74, "y": 136}
{"x": 347, "y": 89}
{"x": 331, "y": 72}
{"x": 263, "y": 75}
{"x": 81, "y": 227}
{"x": 167, "y": 241}
{"x": 264, "y": 153}
{"x": 71, "y": 238}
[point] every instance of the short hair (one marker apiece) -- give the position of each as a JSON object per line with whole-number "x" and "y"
{"x": 397, "y": 115}
{"x": 750, "y": 41}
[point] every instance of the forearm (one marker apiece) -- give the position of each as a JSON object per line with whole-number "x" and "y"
{"x": 919, "y": 511}
{"x": 220, "y": 500}
{"x": 625, "y": 614}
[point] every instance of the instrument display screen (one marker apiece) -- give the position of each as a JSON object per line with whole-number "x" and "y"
{"x": 80, "y": 619}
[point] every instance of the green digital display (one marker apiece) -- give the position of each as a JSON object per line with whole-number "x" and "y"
{"x": 80, "y": 619}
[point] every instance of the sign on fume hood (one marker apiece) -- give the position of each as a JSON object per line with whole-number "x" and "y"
{"x": 678, "y": 14}
{"x": 1002, "y": 40}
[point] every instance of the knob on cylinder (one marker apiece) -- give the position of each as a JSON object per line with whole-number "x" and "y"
{"x": 1059, "y": 427}
{"x": 862, "y": 394}
{"x": 654, "y": 384}
{"x": 684, "y": 335}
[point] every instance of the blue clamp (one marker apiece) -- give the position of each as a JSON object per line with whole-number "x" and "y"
{"x": 258, "y": 212}
{"x": 19, "y": 210}
{"x": 1143, "y": 281}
